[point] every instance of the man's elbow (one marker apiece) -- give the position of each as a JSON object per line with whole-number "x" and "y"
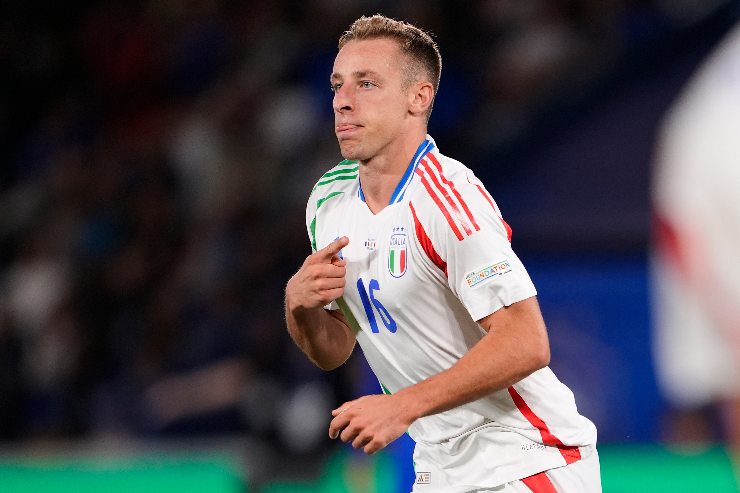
{"x": 533, "y": 360}
{"x": 540, "y": 351}
{"x": 329, "y": 363}
{"x": 541, "y": 357}
{"x": 536, "y": 360}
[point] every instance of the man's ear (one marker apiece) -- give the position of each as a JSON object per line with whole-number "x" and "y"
{"x": 421, "y": 95}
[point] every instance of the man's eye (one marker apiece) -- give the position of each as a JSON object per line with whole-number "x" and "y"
{"x": 366, "y": 84}
{"x": 335, "y": 87}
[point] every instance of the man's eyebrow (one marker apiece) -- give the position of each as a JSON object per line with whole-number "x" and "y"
{"x": 361, "y": 74}
{"x": 358, "y": 74}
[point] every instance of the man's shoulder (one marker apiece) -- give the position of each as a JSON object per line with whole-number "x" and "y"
{"x": 449, "y": 197}
{"x": 441, "y": 177}
{"x": 436, "y": 165}
{"x": 336, "y": 181}
{"x": 327, "y": 194}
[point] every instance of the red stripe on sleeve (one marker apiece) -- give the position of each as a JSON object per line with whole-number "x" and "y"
{"x": 569, "y": 452}
{"x": 539, "y": 483}
{"x": 439, "y": 204}
{"x": 454, "y": 190}
{"x": 490, "y": 201}
{"x": 507, "y": 228}
{"x": 447, "y": 197}
{"x": 426, "y": 243}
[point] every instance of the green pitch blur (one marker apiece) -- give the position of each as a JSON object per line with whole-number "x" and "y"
{"x": 625, "y": 469}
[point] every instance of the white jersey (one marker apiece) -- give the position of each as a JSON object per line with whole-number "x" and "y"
{"x": 420, "y": 273}
{"x": 696, "y": 264}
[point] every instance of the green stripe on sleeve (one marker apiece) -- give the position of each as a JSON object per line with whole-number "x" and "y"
{"x": 321, "y": 201}
{"x": 312, "y": 226}
{"x": 335, "y": 178}
{"x": 339, "y": 172}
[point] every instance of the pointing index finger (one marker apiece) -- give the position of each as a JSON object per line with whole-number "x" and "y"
{"x": 332, "y": 249}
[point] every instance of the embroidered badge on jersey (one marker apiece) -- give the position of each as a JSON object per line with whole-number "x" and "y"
{"x": 397, "y": 253}
{"x": 478, "y": 276}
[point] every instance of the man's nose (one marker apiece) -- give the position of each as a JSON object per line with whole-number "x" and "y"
{"x": 343, "y": 100}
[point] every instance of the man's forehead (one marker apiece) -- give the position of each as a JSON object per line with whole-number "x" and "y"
{"x": 366, "y": 56}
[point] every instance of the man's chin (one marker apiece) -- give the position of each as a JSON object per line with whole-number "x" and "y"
{"x": 350, "y": 150}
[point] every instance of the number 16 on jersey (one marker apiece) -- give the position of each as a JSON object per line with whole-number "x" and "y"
{"x": 369, "y": 301}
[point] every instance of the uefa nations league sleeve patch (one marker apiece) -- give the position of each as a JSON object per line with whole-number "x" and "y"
{"x": 489, "y": 271}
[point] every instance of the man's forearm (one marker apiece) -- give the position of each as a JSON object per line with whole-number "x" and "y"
{"x": 515, "y": 346}
{"x": 323, "y": 336}
{"x": 471, "y": 378}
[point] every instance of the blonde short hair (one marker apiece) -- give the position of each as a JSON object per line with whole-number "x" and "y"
{"x": 416, "y": 44}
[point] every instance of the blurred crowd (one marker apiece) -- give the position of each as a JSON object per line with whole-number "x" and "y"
{"x": 157, "y": 156}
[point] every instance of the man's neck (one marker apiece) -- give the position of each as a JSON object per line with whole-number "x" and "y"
{"x": 380, "y": 175}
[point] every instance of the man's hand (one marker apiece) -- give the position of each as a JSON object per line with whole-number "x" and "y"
{"x": 323, "y": 335}
{"x": 370, "y": 422}
{"x": 320, "y": 280}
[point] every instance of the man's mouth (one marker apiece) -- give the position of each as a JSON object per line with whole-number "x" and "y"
{"x": 343, "y": 129}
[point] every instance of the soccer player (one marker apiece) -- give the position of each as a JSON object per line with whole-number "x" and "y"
{"x": 412, "y": 259}
{"x": 696, "y": 260}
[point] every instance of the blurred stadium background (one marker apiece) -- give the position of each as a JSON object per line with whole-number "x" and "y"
{"x": 156, "y": 159}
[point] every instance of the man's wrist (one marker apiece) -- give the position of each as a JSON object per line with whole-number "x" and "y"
{"x": 410, "y": 405}
{"x": 292, "y": 305}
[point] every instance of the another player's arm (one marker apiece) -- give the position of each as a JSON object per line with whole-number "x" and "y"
{"x": 323, "y": 335}
{"x": 514, "y": 346}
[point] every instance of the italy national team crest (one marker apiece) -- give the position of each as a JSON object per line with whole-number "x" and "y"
{"x": 397, "y": 252}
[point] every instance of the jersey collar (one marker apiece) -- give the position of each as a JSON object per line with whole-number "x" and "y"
{"x": 424, "y": 148}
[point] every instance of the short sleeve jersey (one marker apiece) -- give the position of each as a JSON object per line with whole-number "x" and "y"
{"x": 420, "y": 274}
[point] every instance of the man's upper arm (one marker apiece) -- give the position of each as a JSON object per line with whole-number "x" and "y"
{"x": 523, "y": 322}
{"x": 473, "y": 247}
